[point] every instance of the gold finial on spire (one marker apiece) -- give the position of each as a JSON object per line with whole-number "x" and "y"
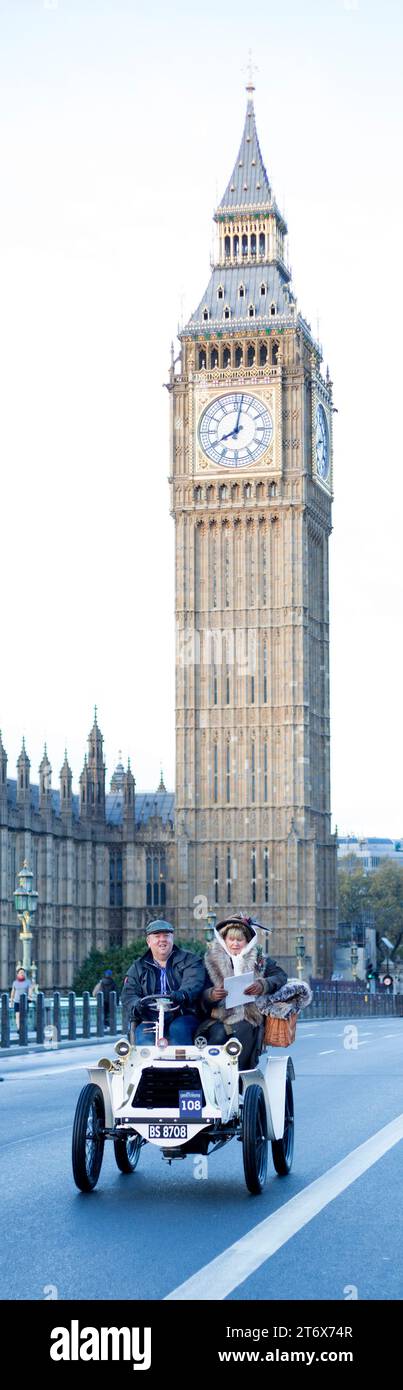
{"x": 251, "y": 69}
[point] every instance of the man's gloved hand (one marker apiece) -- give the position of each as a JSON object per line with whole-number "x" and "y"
{"x": 138, "y": 1009}
{"x": 178, "y": 996}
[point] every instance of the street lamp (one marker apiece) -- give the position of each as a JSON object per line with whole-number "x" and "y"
{"x": 300, "y": 953}
{"x": 210, "y": 924}
{"x": 354, "y": 959}
{"x": 25, "y": 903}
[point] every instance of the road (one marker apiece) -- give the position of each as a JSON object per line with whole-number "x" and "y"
{"x": 157, "y": 1232}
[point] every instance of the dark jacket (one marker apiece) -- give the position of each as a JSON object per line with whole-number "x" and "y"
{"x": 185, "y": 971}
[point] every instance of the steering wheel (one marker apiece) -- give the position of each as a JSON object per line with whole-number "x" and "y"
{"x": 158, "y": 1001}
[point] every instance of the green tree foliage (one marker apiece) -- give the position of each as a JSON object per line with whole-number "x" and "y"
{"x": 353, "y": 889}
{"x": 379, "y": 892}
{"x": 118, "y": 959}
{"x": 385, "y": 897}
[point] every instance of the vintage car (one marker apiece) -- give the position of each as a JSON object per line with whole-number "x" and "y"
{"x": 189, "y": 1099}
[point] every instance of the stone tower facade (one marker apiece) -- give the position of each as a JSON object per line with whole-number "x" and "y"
{"x": 251, "y": 487}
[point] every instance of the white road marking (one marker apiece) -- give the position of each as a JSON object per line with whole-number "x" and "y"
{"x": 29, "y": 1137}
{"x": 327, "y": 1052}
{"x": 218, "y": 1278}
{"x": 42, "y": 1071}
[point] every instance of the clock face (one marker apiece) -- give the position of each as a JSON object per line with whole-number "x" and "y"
{"x": 235, "y": 430}
{"x": 322, "y": 444}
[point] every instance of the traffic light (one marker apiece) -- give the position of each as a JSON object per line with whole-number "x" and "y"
{"x": 370, "y": 970}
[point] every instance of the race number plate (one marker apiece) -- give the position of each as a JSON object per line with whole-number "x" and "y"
{"x": 168, "y": 1130}
{"x": 190, "y": 1105}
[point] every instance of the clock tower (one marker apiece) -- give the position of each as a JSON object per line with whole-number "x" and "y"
{"x": 251, "y": 485}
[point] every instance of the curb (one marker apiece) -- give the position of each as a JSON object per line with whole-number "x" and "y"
{"x": 64, "y": 1045}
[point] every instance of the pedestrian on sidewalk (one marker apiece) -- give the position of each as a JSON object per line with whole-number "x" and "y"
{"x": 21, "y": 985}
{"x": 107, "y": 985}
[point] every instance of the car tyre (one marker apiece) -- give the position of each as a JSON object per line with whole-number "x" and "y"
{"x": 88, "y": 1139}
{"x": 127, "y": 1153}
{"x": 254, "y": 1139}
{"x": 283, "y": 1149}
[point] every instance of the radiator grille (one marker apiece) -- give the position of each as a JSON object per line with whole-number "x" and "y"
{"x": 159, "y": 1087}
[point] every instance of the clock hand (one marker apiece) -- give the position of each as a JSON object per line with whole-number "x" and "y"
{"x": 238, "y": 416}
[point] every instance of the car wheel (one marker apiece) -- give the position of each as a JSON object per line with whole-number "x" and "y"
{"x": 283, "y": 1149}
{"x": 254, "y": 1139}
{"x": 88, "y": 1138}
{"x": 127, "y": 1153}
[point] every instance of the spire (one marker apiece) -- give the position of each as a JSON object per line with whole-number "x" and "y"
{"x": 249, "y": 185}
{"x": 129, "y": 793}
{"x": 3, "y": 767}
{"x": 45, "y": 781}
{"x": 162, "y": 787}
{"x": 92, "y": 780}
{"x": 117, "y": 780}
{"x": 23, "y": 770}
{"x": 66, "y": 782}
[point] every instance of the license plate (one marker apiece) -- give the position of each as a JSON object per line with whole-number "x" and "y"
{"x": 167, "y": 1131}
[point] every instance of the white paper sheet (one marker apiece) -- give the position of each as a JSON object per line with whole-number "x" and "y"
{"x": 235, "y": 986}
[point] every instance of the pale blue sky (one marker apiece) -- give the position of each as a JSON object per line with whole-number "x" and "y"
{"x": 119, "y": 126}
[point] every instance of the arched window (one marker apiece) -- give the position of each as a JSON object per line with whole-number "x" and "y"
{"x": 266, "y": 874}
{"x": 226, "y": 357}
{"x": 216, "y": 886}
{"x": 227, "y": 312}
{"x": 253, "y": 875}
{"x": 227, "y": 246}
{"x": 247, "y": 490}
{"x": 273, "y": 309}
{"x": 115, "y": 879}
{"x": 241, "y": 291}
{"x": 202, "y": 358}
{"x": 253, "y": 244}
{"x": 214, "y": 357}
{"x": 228, "y": 875}
{"x": 238, "y": 355}
{"x": 251, "y": 355}
{"x": 244, "y": 244}
{"x": 220, "y": 292}
{"x": 235, "y": 246}
{"x": 274, "y": 354}
{"x": 235, "y": 492}
{"x": 197, "y": 494}
{"x": 265, "y": 771}
{"x": 224, "y": 492}
{"x": 263, "y": 354}
{"x": 206, "y": 315}
{"x": 262, "y": 244}
{"x": 209, "y": 493}
{"x": 251, "y": 311}
{"x": 262, "y": 290}
{"x": 273, "y": 490}
{"x": 259, "y": 491}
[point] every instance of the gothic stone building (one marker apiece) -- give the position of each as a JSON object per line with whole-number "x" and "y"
{"x": 251, "y": 485}
{"x": 251, "y": 493}
{"x": 103, "y": 864}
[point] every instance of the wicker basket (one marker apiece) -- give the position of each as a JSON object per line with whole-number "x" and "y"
{"x": 280, "y": 1032}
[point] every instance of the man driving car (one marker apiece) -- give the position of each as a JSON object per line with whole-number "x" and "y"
{"x": 164, "y": 969}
